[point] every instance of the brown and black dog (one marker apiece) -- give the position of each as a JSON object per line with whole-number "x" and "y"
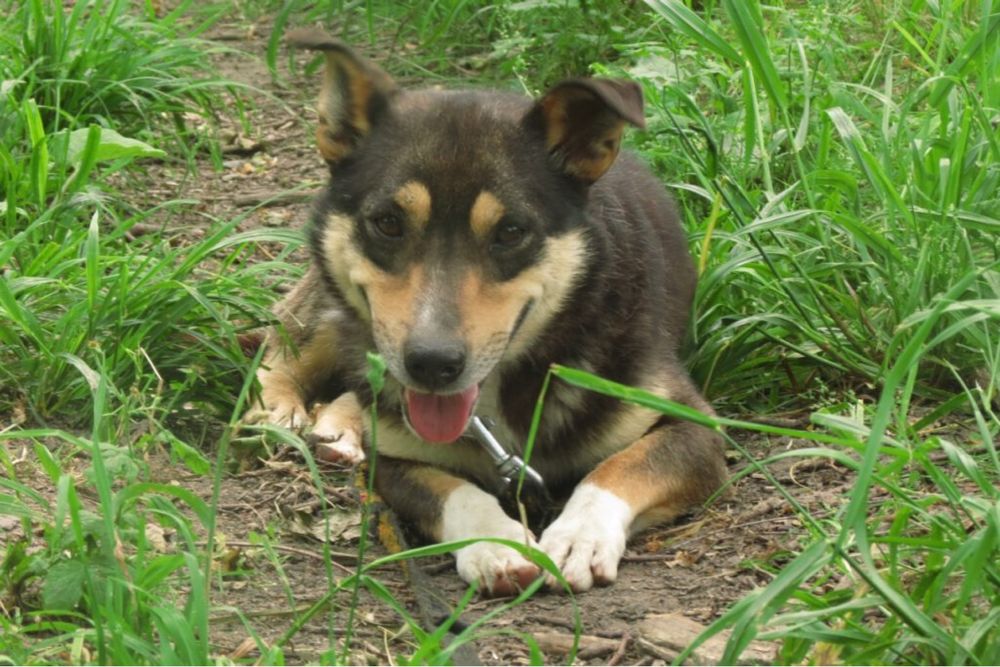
{"x": 473, "y": 239}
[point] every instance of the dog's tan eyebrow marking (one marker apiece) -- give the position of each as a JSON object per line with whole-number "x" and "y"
{"x": 415, "y": 200}
{"x": 485, "y": 213}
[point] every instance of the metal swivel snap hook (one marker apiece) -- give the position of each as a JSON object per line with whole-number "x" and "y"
{"x": 509, "y": 466}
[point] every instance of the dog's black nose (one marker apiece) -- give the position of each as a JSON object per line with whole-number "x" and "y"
{"x": 434, "y": 365}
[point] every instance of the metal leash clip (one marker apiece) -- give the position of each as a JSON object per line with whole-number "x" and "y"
{"x": 509, "y": 466}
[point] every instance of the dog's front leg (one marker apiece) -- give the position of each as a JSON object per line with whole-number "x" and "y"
{"x": 674, "y": 467}
{"x": 446, "y": 508}
{"x": 297, "y": 360}
{"x": 282, "y": 402}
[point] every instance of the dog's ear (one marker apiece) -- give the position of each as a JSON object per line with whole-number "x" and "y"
{"x": 582, "y": 122}
{"x": 355, "y": 92}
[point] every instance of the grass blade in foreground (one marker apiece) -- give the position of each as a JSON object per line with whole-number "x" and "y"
{"x": 908, "y": 627}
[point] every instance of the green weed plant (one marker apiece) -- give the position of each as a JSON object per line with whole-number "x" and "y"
{"x": 97, "y": 62}
{"x": 837, "y": 165}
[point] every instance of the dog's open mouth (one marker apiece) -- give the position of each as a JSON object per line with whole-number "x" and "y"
{"x": 440, "y": 417}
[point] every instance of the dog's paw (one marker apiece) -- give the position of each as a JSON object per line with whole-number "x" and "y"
{"x": 471, "y": 512}
{"x": 588, "y": 539}
{"x": 499, "y": 570}
{"x": 338, "y": 434}
{"x": 290, "y": 414}
{"x": 337, "y": 446}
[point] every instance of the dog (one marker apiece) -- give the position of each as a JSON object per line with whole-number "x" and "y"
{"x": 474, "y": 238}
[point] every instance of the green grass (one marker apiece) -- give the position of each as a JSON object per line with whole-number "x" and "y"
{"x": 80, "y": 301}
{"x": 99, "y": 63}
{"x": 530, "y": 45}
{"x": 937, "y": 559}
{"x": 100, "y": 332}
{"x": 838, "y": 165}
{"x": 848, "y": 195}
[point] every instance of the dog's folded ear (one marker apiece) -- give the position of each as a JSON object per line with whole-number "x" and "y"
{"x": 582, "y": 122}
{"x": 354, "y": 94}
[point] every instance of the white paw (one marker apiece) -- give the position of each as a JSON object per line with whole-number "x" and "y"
{"x": 471, "y": 512}
{"x": 499, "y": 570}
{"x": 588, "y": 539}
{"x": 338, "y": 435}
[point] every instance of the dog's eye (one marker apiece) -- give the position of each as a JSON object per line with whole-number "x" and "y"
{"x": 388, "y": 226}
{"x": 509, "y": 235}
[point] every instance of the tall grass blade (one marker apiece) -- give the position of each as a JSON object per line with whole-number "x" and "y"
{"x": 745, "y": 15}
{"x": 682, "y": 19}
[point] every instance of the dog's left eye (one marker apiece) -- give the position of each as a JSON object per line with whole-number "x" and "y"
{"x": 388, "y": 226}
{"x": 509, "y": 235}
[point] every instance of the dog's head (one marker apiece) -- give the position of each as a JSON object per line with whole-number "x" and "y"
{"x": 455, "y": 221}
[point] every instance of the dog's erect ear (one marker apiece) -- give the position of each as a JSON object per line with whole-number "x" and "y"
{"x": 355, "y": 91}
{"x": 582, "y": 121}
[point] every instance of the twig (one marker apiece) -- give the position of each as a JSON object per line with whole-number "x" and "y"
{"x": 561, "y": 643}
{"x": 267, "y": 613}
{"x": 247, "y": 149}
{"x": 439, "y": 568}
{"x": 552, "y": 621}
{"x": 642, "y": 558}
{"x": 807, "y": 465}
{"x": 231, "y": 36}
{"x": 798, "y": 423}
{"x": 619, "y": 653}
{"x": 270, "y": 198}
{"x": 295, "y": 550}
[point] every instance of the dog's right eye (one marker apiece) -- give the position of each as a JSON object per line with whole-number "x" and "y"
{"x": 509, "y": 236}
{"x": 388, "y": 226}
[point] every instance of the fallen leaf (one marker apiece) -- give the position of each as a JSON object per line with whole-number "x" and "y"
{"x": 344, "y": 526}
{"x": 156, "y": 537}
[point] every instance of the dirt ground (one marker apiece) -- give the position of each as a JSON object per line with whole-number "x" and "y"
{"x": 696, "y": 568}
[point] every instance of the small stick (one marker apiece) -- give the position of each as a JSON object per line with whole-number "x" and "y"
{"x": 619, "y": 653}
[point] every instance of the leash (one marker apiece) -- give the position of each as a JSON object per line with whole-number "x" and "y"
{"x": 433, "y": 609}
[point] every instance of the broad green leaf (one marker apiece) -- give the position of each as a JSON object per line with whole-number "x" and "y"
{"x": 47, "y": 462}
{"x": 112, "y": 146}
{"x": 39, "y": 151}
{"x": 62, "y": 587}
{"x": 376, "y": 372}
{"x": 190, "y": 456}
{"x": 85, "y": 160}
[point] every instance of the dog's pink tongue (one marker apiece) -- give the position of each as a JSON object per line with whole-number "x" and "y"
{"x": 438, "y": 418}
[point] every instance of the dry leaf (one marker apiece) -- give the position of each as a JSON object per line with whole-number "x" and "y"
{"x": 156, "y": 537}
{"x": 345, "y": 526}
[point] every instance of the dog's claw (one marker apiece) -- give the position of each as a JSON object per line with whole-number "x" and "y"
{"x": 585, "y": 560}
{"x": 343, "y": 447}
{"x": 587, "y": 550}
{"x": 289, "y": 415}
{"x": 293, "y": 417}
{"x": 512, "y": 581}
{"x": 338, "y": 436}
{"x": 499, "y": 570}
